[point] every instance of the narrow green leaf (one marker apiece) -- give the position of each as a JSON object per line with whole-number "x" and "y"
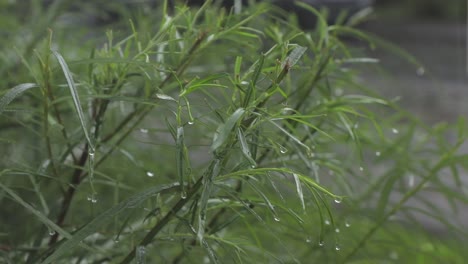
{"x": 75, "y": 96}
{"x": 299, "y": 189}
{"x": 40, "y": 216}
{"x": 294, "y": 56}
{"x": 224, "y": 130}
{"x": 180, "y": 147}
{"x": 245, "y": 147}
{"x": 206, "y": 82}
{"x": 13, "y": 93}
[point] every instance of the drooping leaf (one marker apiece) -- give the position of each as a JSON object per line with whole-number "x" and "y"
{"x": 13, "y": 93}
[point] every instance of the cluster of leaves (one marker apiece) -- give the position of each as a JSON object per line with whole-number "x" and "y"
{"x": 208, "y": 134}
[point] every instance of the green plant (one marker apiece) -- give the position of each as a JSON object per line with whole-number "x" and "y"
{"x": 216, "y": 136}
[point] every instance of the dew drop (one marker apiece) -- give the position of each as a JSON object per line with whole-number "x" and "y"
{"x": 116, "y": 241}
{"x": 183, "y": 195}
{"x": 283, "y": 150}
{"x": 338, "y": 200}
{"x": 321, "y": 243}
{"x": 276, "y": 218}
{"x": 337, "y": 230}
{"x": 308, "y": 240}
{"x": 92, "y": 198}
{"x": 361, "y": 168}
{"x": 51, "y": 232}
{"x": 420, "y": 71}
{"x": 395, "y": 131}
{"x": 377, "y": 153}
{"x": 91, "y": 154}
{"x": 191, "y": 122}
{"x": 356, "y": 126}
{"x": 149, "y": 174}
{"x": 337, "y": 247}
{"x": 253, "y": 166}
{"x": 327, "y": 222}
{"x": 244, "y": 83}
{"x": 347, "y": 224}
{"x": 144, "y": 130}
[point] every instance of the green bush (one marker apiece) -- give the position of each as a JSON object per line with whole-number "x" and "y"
{"x": 209, "y": 136}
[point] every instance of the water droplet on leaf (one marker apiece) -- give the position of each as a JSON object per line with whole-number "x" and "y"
{"x": 361, "y": 168}
{"x": 321, "y": 243}
{"x": 347, "y": 224}
{"x": 149, "y": 174}
{"x": 191, "y": 122}
{"x": 283, "y": 150}
{"x": 377, "y": 153}
{"x": 144, "y": 130}
{"x": 338, "y": 200}
{"x": 337, "y": 230}
{"x": 183, "y": 195}
{"x": 51, "y": 232}
{"x": 337, "y": 248}
{"x": 276, "y": 218}
{"x": 92, "y": 198}
{"x": 327, "y": 222}
{"x": 395, "y": 131}
{"x": 308, "y": 240}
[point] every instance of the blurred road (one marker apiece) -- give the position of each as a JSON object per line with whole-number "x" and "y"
{"x": 437, "y": 92}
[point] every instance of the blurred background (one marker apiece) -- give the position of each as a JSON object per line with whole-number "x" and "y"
{"x": 435, "y": 33}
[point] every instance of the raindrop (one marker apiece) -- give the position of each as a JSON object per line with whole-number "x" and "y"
{"x": 337, "y": 230}
{"x": 338, "y": 200}
{"x": 327, "y": 222}
{"x": 183, "y": 194}
{"x": 51, "y": 232}
{"x": 347, "y": 224}
{"x": 308, "y": 240}
{"x": 410, "y": 180}
{"x": 149, "y": 174}
{"x": 338, "y": 91}
{"x": 276, "y": 218}
{"x": 321, "y": 243}
{"x": 361, "y": 168}
{"x": 140, "y": 255}
{"x": 244, "y": 83}
{"x": 91, "y": 154}
{"x": 337, "y": 247}
{"x": 377, "y": 153}
{"x": 420, "y": 71}
{"x": 253, "y": 166}
{"x": 144, "y": 130}
{"x": 92, "y": 198}
{"x": 191, "y": 122}
{"x": 393, "y": 255}
{"x": 116, "y": 241}
{"x": 395, "y": 131}
{"x": 283, "y": 150}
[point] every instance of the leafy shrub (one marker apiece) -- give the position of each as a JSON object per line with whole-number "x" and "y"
{"x": 213, "y": 136}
